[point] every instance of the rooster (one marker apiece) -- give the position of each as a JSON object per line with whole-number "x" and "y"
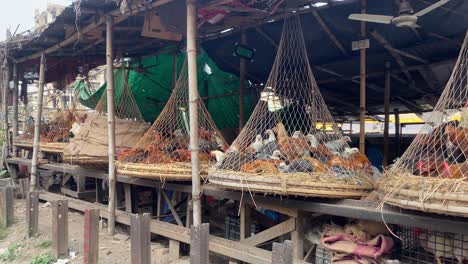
{"x": 292, "y": 148}
{"x": 458, "y": 137}
{"x": 457, "y": 171}
{"x": 319, "y": 166}
{"x": 259, "y": 166}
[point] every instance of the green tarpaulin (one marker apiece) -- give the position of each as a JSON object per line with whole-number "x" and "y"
{"x": 150, "y": 80}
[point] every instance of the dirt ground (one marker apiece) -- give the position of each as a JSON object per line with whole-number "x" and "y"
{"x": 16, "y": 247}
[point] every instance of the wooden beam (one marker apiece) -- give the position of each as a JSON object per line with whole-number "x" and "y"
{"x": 140, "y": 237}
{"x": 387, "y": 115}
{"x": 329, "y": 32}
{"x": 410, "y": 105}
{"x": 271, "y": 233}
{"x": 282, "y": 253}
{"x": 60, "y": 228}
{"x": 91, "y": 236}
{"x": 267, "y": 37}
{"x": 171, "y": 208}
{"x": 97, "y": 21}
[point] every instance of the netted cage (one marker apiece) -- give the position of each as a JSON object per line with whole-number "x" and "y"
{"x": 89, "y": 146}
{"x": 432, "y": 175}
{"x": 163, "y": 153}
{"x": 55, "y": 126}
{"x": 422, "y": 246}
{"x": 285, "y": 148}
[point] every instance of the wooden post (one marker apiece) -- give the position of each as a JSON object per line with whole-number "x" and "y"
{"x": 32, "y": 213}
{"x": 387, "y": 113}
{"x": 5, "y": 90}
{"x": 140, "y": 238}
{"x": 111, "y": 123}
{"x": 362, "y": 104}
{"x": 6, "y": 207}
{"x": 282, "y": 253}
{"x": 193, "y": 107}
{"x": 242, "y": 70}
{"x": 245, "y": 223}
{"x": 37, "y": 124}
{"x": 297, "y": 237}
{"x": 396, "y": 112}
{"x": 24, "y": 187}
{"x": 91, "y": 236}
{"x": 174, "y": 249}
{"x": 15, "y": 107}
{"x": 60, "y": 228}
{"x": 199, "y": 253}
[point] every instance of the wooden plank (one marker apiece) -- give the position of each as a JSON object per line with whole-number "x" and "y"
{"x": 297, "y": 237}
{"x": 60, "y": 228}
{"x": 271, "y": 233}
{"x": 140, "y": 238}
{"x": 91, "y": 236}
{"x": 32, "y": 213}
{"x": 128, "y": 197}
{"x": 199, "y": 253}
{"x": 218, "y": 245}
{"x": 245, "y": 221}
{"x": 24, "y": 187}
{"x": 329, "y": 33}
{"x": 171, "y": 207}
{"x": 282, "y": 253}
{"x": 174, "y": 249}
{"x": 6, "y": 207}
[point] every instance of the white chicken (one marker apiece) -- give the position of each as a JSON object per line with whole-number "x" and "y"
{"x": 257, "y": 145}
{"x": 338, "y": 145}
{"x": 460, "y": 247}
{"x": 219, "y": 155}
{"x": 437, "y": 244}
{"x": 349, "y": 152}
{"x": 75, "y": 129}
{"x": 312, "y": 140}
{"x": 271, "y": 137}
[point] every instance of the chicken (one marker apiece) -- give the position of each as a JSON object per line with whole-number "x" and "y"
{"x": 349, "y": 152}
{"x": 218, "y": 156}
{"x": 292, "y": 148}
{"x": 257, "y": 145}
{"x": 460, "y": 249}
{"x": 337, "y": 161}
{"x": 157, "y": 157}
{"x": 259, "y": 166}
{"x": 458, "y": 137}
{"x": 319, "y": 166}
{"x": 298, "y": 165}
{"x": 457, "y": 171}
{"x": 338, "y": 145}
{"x": 437, "y": 244}
{"x": 431, "y": 167}
{"x": 205, "y": 134}
{"x": 313, "y": 140}
{"x": 271, "y": 137}
{"x": 360, "y": 161}
{"x": 123, "y": 154}
{"x": 181, "y": 155}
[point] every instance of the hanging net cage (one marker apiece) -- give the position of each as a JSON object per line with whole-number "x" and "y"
{"x": 56, "y": 125}
{"x": 89, "y": 146}
{"x": 163, "y": 153}
{"x": 432, "y": 175}
{"x": 285, "y": 147}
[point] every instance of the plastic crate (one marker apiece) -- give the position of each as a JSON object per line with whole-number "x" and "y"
{"x": 232, "y": 228}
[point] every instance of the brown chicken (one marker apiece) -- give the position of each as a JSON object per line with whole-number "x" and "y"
{"x": 458, "y": 137}
{"x": 320, "y": 168}
{"x": 431, "y": 166}
{"x": 291, "y": 148}
{"x": 157, "y": 157}
{"x": 360, "y": 161}
{"x": 457, "y": 171}
{"x": 181, "y": 155}
{"x": 340, "y": 162}
{"x": 260, "y": 166}
{"x": 205, "y": 134}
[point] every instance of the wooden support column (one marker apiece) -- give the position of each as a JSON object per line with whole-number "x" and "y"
{"x": 297, "y": 237}
{"x": 128, "y": 197}
{"x": 6, "y": 207}
{"x": 24, "y": 187}
{"x": 37, "y": 125}
{"x": 396, "y": 112}
{"x": 60, "y": 228}
{"x": 193, "y": 108}
{"x": 110, "y": 122}
{"x": 362, "y": 103}
{"x": 32, "y": 213}
{"x": 174, "y": 249}
{"x": 91, "y": 236}
{"x": 15, "y": 107}
{"x": 242, "y": 71}
{"x": 199, "y": 253}
{"x": 245, "y": 221}
{"x": 5, "y": 90}
{"x": 282, "y": 253}
{"x": 387, "y": 114}
{"x": 140, "y": 238}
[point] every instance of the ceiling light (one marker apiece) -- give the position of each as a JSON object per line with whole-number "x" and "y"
{"x": 319, "y": 4}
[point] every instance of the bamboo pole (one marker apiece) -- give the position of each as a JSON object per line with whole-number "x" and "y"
{"x": 362, "y": 103}
{"x": 396, "y": 112}
{"x": 37, "y": 123}
{"x": 174, "y": 70}
{"x": 193, "y": 107}
{"x": 387, "y": 112}
{"x": 242, "y": 70}
{"x": 6, "y": 88}
{"x": 110, "y": 123}
{"x": 15, "y": 107}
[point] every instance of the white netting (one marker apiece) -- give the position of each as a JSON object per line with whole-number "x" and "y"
{"x": 432, "y": 173}
{"x": 291, "y": 137}
{"x": 163, "y": 152}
